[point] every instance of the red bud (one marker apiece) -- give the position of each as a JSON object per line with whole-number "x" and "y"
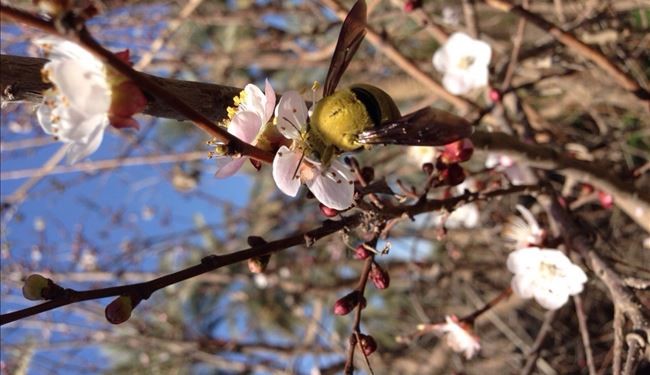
{"x": 360, "y": 252}
{"x": 379, "y": 277}
{"x": 457, "y": 152}
{"x": 368, "y": 344}
{"x": 347, "y": 303}
{"x": 495, "y": 95}
{"x": 327, "y": 211}
{"x": 412, "y": 5}
{"x": 605, "y": 199}
{"x": 119, "y": 311}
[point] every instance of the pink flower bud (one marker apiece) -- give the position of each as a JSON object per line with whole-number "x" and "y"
{"x": 379, "y": 277}
{"x": 347, "y": 303}
{"x": 412, "y": 5}
{"x": 119, "y": 311}
{"x": 494, "y": 95}
{"x": 327, "y": 211}
{"x": 457, "y": 152}
{"x": 360, "y": 252}
{"x": 368, "y": 344}
{"x": 606, "y": 200}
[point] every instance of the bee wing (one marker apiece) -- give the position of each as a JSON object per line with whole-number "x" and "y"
{"x": 424, "y": 127}
{"x": 352, "y": 33}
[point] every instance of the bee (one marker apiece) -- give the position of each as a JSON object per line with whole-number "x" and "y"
{"x": 363, "y": 115}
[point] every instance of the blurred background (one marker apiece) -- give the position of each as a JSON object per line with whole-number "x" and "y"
{"x": 147, "y": 204}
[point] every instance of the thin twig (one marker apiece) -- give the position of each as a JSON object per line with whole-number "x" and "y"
{"x": 576, "y": 45}
{"x": 533, "y": 354}
{"x": 584, "y": 333}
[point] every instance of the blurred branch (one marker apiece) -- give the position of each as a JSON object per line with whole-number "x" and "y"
{"x": 576, "y": 45}
{"x": 164, "y": 36}
{"x": 94, "y": 166}
{"x": 635, "y": 202}
{"x": 388, "y": 48}
{"x": 626, "y": 304}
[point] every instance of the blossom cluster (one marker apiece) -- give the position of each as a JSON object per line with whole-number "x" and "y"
{"x": 295, "y": 163}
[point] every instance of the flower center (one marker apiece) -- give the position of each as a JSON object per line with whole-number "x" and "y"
{"x": 237, "y": 100}
{"x": 466, "y": 62}
{"x": 306, "y": 171}
{"x": 549, "y": 271}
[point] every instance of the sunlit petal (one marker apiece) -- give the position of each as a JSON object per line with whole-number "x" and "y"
{"x": 285, "y": 165}
{"x": 291, "y": 115}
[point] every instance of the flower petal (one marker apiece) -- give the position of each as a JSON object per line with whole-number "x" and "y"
{"x": 85, "y": 88}
{"x": 335, "y": 187}
{"x": 285, "y": 164}
{"x": 254, "y": 100}
{"x": 523, "y": 260}
{"x": 269, "y": 93}
{"x": 245, "y": 126}
{"x": 79, "y": 150}
{"x": 291, "y": 115}
{"x": 227, "y": 166}
{"x": 523, "y": 286}
{"x": 551, "y": 298}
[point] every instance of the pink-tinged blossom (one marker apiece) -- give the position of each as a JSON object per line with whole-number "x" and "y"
{"x": 332, "y": 185}
{"x": 463, "y": 61}
{"x": 458, "y": 336}
{"x": 516, "y": 174}
{"x": 248, "y": 119}
{"x": 85, "y": 98}
{"x": 547, "y": 275}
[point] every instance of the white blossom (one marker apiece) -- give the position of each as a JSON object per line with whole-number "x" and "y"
{"x": 75, "y": 110}
{"x": 331, "y": 184}
{"x": 459, "y": 336}
{"x": 546, "y": 275}
{"x": 523, "y": 232}
{"x": 85, "y": 98}
{"x": 463, "y": 61}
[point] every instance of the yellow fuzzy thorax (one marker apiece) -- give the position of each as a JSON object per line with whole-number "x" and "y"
{"x": 339, "y": 118}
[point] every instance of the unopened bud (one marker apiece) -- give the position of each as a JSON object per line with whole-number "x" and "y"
{"x": 457, "y": 152}
{"x": 360, "y": 252}
{"x": 38, "y": 288}
{"x": 379, "y": 277}
{"x": 453, "y": 175}
{"x": 327, "y": 211}
{"x": 606, "y": 200}
{"x": 119, "y": 311}
{"x": 494, "y": 95}
{"x": 368, "y": 344}
{"x": 259, "y": 264}
{"x": 347, "y": 303}
{"x": 411, "y": 5}
{"x": 34, "y": 286}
